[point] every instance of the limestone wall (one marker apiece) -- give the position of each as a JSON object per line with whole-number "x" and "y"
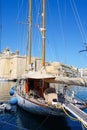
{"x": 14, "y": 66}
{"x": 4, "y": 67}
{"x": 17, "y": 66}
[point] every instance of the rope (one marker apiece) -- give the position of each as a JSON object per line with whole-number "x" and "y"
{"x": 82, "y": 127}
{"x": 43, "y": 122}
{"x": 75, "y": 119}
{"x": 83, "y": 124}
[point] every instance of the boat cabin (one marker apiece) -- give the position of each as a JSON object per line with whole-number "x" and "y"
{"x": 37, "y": 89}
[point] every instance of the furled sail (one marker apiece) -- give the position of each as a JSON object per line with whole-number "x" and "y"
{"x": 69, "y": 81}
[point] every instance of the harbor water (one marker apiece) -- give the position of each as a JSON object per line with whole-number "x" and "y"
{"x": 22, "y": 120}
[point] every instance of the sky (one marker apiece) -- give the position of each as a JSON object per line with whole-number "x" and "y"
{"x": 66, "y": 29}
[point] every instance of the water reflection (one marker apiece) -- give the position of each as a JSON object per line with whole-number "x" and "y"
{"x": 35, "y": 122}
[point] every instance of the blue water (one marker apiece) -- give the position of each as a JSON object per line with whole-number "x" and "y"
{"x": 22, "y": 120}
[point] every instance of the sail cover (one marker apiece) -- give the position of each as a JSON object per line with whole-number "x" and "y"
{"x": 79, "y": 81}
{"x": 69, "y": 81}
{"x": 38, "y": 75}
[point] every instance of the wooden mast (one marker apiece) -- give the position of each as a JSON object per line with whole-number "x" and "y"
{"x": 43, "y": 29}
{"x": 29, "y": 33}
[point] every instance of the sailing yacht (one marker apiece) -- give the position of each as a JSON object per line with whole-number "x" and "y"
{"x": 35, "y": 91}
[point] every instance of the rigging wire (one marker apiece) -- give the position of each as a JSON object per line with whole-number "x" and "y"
{"x": 37, "y": 24}
{"x": 19, "y": 9}
{"x": 20, "y": 6}
{"x": 22, "y": 31}
{"x": 61, "y": 23}
{"x": 60, "y": 19}
{"x": 51, "y": 48}
{"x": 78, "y": 20}
{"x": 38, "y": 13}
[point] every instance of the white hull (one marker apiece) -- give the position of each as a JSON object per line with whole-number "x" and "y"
{"x": 36, "y": 108}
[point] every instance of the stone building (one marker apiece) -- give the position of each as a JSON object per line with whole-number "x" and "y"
{"x": 63, "y": 70}
{"x": 13, "y": 65}
{"x": 83, "y": 72}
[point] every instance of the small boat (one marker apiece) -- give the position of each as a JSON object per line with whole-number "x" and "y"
{"x": 5, "y": 107}
{"x": 2, "y": 106}
{"x": 8, "y": 107}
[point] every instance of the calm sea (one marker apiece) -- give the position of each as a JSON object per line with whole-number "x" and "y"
{"x": 22, "y": 120}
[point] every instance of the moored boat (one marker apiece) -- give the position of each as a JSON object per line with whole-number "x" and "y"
{"x": 38, "y": 91}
